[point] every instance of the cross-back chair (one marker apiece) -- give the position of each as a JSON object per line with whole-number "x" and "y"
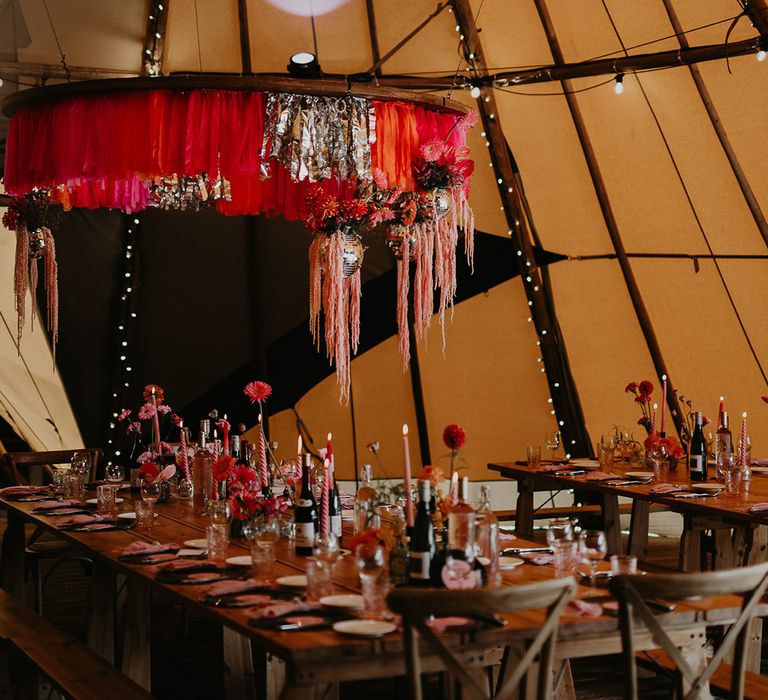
{"x": 15, "y": 468}
{"x": 749, "y": 583}
{"x": 416, "y": 606}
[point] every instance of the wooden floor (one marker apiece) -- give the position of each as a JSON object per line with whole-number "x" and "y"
{"x": 187, "y": 662}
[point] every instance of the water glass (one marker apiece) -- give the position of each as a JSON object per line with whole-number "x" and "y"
{"x": 262, "y": 559}
{"x": 566, "y": 557}
{"x": 218, "y": 542}
{"x": 319, "y": 583}
{"x": 71, "y": 485}
{"x": 533, "y": 453}
{"x": 105, "y": 501}
{"x": 219, "y": 512}
{"x": 592, "y": 548}
{"x": 559, "y": 531}
{"x": 145, "y": 514}
{"x": 59, "y": 487}
{"x": 733, "y": 480}
{"x": 150, "y": 491}
{"x": 326, "y": 549}
{"x": 623, "y": 564}
{"x": 375, "y": 592}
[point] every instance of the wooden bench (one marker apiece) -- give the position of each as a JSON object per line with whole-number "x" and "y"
{"x": 755, "y": 685}
{"x": 552, "y": 513}
{"x": 72, "y": 667}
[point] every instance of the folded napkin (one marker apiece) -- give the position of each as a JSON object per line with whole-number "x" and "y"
{"x": 759, "y": 462}
{"x": 284, "y": 608}
{"x": 52, "y": 505}
{"x": 538, "y": 559}
{"x": 229, "y": 587}
{"x": 181, "y": 564}
{"x": 441, "y": 624}
{"x": 602, "y": 476}
{"x": 758, "y": 507}
{"x": 665, "y": 488}
{"x": 553, "y": 466}
{"x": 81, "y": 519}
{"x": 141, "y": 547}
{"x": 582, "y": 608}
{"x": 23, "y": 490}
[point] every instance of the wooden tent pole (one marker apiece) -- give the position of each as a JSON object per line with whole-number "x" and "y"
{"x": 717, "y": 125}
{"x": 373, "y": 34}
{"x": 245, "y": 39}
{"x": 610, "y": 220}
{"x": 154, "y": 39}
{"x": 565, "y": 399}
{"x": 757, "y": 11}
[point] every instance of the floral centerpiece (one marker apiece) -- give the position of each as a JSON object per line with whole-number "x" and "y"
{"x": 152, "y": 473}
{"x": 149, "y": 427}
{"x": 642, "y": 391}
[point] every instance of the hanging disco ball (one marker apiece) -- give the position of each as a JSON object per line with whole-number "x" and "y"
{"x": 36, "y": 244}
{"x": 395, "y": 237}
{"x": 353, "y": 250}
{"x": 442, "y": 202}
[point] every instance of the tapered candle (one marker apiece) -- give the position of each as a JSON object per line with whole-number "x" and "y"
{"x": 263, "y": 472}
{"x": 653, "y": 422}
{"x": 663, "y": 400}
{"x": 325, "y": 516}
{"x": 156, "y": 419}
{"x": 408, "y": 498}
{"x": 215, "y": 457}
{"x": 225, "y": 428}
{"x": 720, "y": 411}
{"x": 183, "y": 448}
{"x": 743, "y": 446}
{"x": 455, "y": 485}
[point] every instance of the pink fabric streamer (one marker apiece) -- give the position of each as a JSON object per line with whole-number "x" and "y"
{"x": 583, "y": 608}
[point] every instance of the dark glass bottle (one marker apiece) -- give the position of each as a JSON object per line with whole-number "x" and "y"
{"x": 422, "y": 544}
{"x": 305, "y": 512}
{"x": 697, "y": 460}
{"x": 334, "y": 503}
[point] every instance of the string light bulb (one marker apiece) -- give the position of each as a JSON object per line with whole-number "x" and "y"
{"x": 761, "y": 54}
{"x": 618, "y": 88}
{"x": 474, "y": 91}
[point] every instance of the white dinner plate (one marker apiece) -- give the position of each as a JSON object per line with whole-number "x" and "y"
{"x": 707, "y": 488}
{"x": 130, "y": 515}
{"x": 345, "y": 601}
{"x": 297, "y": 581}
{"x": 639, "y": 475}
{"x": 94, "y": 501}
{"x": 196, "y": 544}
{"x": 243, "y": 560}
{"x": 759, "y": 470}
{"x": 510, "y": 562}
{"x": 364, "y": 628}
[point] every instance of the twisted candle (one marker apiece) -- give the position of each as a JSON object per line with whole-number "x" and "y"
{"x": 264, "y": 474}
{"x": 325, "y": 517}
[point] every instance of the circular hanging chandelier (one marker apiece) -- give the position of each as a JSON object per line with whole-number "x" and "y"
{"x": 341, "y": 156}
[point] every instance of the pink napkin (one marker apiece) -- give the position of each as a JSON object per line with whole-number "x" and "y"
{"x": 141, "y": 547}
{"x": 441, "y": 624}
{"x": 538, "y": 559}
{"x": 665, "y": 488}
{"x": 23, "y": 490}
{"x": 581, "y": 608}
{"x": 283, "y": 608}
{"x": 758, "y": 507}
{"x": 51, "y": 505}
{"x": 759, "y": 462}
{"x": 82, "y": 519}
{"x": 553, "y": 467}
{"x": 181, "y": 564}
{"x": 228, "y": 587}
{"x": 601, "y": 476}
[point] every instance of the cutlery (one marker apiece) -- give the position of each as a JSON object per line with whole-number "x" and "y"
{"x": 525, "y": 550}
{"x": 688, "y": 494}
{"x": 631, "y": 482}
{"x": 664, "y": 605}
{"x": 570, "y": 472}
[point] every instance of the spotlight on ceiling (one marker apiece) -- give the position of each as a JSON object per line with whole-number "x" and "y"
{"x": 304, "y": 65}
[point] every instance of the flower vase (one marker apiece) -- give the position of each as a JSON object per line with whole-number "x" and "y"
{"x": 236, "y": 528}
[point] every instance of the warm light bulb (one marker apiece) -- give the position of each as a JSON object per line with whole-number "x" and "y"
{"x": 619, "y": 87}
{"x": 475, "y": 91}
{"x": 761, "y": 55}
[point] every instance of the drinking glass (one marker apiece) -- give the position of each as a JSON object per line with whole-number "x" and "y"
{"x": 326, "y": 549}
{"x": 533, "y": 453}
{"x": 566, "y": 557}
{"x": 150, "y": 491}
{"x": 623, "y": 564}
{"x": 552, "y": 440}
{"x": 592, "y": 548}
{"x": 265, "y": 536}
{"x": 219, "y": 512}
{"x": 105, "y": 501}
{"x": 145, "y": 514}
{"x": 114, "y": 475}
{"x": 59, "y": 482}
{"x": 218, "y": 542}
{"x": 371, "y": 563}
{"x": 560, "y": 538}
{"x": 81, "y": 466}
{"x": 319, "y": 583}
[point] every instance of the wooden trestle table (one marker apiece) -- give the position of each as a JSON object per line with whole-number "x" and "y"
{"x": 308, "y": 660}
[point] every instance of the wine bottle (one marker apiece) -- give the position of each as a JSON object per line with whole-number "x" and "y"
{"x": 723, "y": 444}
{"x": 487, "y": 536}
{"x": 334, "y": 503}
{"x": 202, "y": 475}
{"x": 422, "y": 543}
{"x": 305, "y": 512}
{"x": 697, "y": 460}
{"x": 235, "y": 449}
{"x": 461, "y": 526}
{"x": 364, "y": 515}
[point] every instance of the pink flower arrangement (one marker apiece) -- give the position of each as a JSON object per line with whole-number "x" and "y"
{"x": 142, "y": 429}
{"x": 223, "y": 468}
{"x": 443, "y": 166}
{"x": 669, "y": 445}
{"x": 642, "y": 391}
{"x": 257, "y": 391}
{"x": 146, "y": 411}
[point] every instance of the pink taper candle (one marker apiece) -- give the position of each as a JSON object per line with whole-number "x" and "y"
{"x": 325, "y": 516}
{"x": 653, "y": 421}
{"x": 663, "y": 400}
{"x": 408, "y": 498}
{"x": 183, "y": 448}
{"x": 743, "y": 445}
{"x": 156, "y": 418}
{"x": 263, "y": 473}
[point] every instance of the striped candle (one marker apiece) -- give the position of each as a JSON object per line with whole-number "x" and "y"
{"x": 743, "y": 445}
{"x": 325, "y": 517}
{"x": 183, "y": 448}
{"x": 264, "y": 474}
{"x": 653, "y": 422}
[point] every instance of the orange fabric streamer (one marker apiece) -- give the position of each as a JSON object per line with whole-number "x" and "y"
{"x": 397, "y": 143}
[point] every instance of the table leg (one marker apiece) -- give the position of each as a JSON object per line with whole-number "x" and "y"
{"x": 101, "y": 611}
{"x": 524, "y": 511}
{"x": 12, "y": 562}
{"x": 612, "y": 522}
{"x": 137, "y": 632}
{"x": 238, "y": 666}
{"x": 637, "y": 543}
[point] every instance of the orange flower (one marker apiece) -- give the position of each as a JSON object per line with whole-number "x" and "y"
{"x": 432, "y": 474}
{"x": 409, "y": 212}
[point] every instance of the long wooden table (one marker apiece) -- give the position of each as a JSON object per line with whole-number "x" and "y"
{"x": 312, "y": 659}
{"x": 739, "y": 537}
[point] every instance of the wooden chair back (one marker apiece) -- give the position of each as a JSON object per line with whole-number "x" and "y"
{"x": 749, "y": 583}
{"x": 416, "y": 606}
{"x": 16, "y": 465}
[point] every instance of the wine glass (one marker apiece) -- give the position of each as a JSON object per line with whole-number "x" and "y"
{"x": 592, "y": 548}
{"x": 552, "y": 441}
{"x": 81, "y": 465}
{"x": 150, "y": 491}
{"x": 326, "y": 549}
{"x": 114, "y": 475}
{"x": 560, "y": 538}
